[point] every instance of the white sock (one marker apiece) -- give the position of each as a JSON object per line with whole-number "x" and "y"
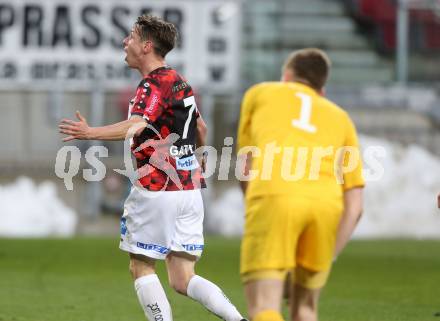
{"x": 212, "y": 298}
{"x": 152, "y": 298}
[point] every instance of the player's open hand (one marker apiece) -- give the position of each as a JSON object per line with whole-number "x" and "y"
{"x": 75, "y": 129}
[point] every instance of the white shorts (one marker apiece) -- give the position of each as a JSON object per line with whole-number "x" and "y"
{"x": 156, "y": 224}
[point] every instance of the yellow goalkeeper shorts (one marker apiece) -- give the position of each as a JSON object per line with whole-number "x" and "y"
{"x": 282, "y": 233}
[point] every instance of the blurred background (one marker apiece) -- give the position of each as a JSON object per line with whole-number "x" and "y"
{"x": 57, "y": 57}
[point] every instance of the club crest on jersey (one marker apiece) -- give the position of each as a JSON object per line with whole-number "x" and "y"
{"x": 123, "y": 226}
{"x": 184, "y": 150}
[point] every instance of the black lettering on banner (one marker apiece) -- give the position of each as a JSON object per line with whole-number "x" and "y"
{"x": 45, "y": 71}
{"x": 115, "y": 71}
{"x": 6, "y": 18}
{"x": 33, "y": 28}
{"x": 76, "y": 71}
{"x": 88, "y": 15}
{"x": 217, "y": 45}
{"x": 216, "y": 17}
{"x": 8, "y": 70}
{"x": 73, "y": 71}
{"x": 62, "y": 27}
{"x": 117, "y": 14}
{"x": 175, "y": 16}
{"x": 53, "y": 70}
{"x": 217, "y": 72}
{"x": 90, "y": 70}
{"x": 110, "y": 72}
{"x": 37, "y": 71}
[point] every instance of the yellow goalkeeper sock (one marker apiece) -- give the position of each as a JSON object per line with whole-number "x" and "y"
{"x": 268, "y": 315}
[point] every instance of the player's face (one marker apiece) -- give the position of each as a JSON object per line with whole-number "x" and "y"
{"x": 133, "y": 48}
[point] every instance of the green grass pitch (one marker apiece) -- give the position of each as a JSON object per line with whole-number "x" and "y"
{"x": 87, "y": 279}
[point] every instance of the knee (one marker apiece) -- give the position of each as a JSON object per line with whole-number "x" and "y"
{"x": 180, "y": 271}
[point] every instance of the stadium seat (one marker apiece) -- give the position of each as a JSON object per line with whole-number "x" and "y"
{"x": 381, "y": 15}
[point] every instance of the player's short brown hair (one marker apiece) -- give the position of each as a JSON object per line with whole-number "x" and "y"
{"x": 163, "y": 34}
{"x": 311, "y": 65}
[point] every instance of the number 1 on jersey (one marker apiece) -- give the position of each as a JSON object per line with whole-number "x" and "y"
{"x": 188, "y": 102}
{"x": 305, "y": 114}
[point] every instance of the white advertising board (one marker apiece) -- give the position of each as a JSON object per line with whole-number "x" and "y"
{"x": 78, "y": 43}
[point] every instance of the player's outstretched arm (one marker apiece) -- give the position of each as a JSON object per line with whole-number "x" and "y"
{"x": 352, "y": 213}
{"x": 81, "y": 130}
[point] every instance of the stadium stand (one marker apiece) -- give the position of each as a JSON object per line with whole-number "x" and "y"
{"x": 359, "y": 35}
{"x": 273, "y": 29}
{"x": 362, "y": 76}
{"x": 381, "y": 15}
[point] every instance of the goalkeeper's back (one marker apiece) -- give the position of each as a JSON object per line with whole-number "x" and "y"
{"x": 299, "y": 134}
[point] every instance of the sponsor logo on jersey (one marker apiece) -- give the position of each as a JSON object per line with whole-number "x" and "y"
{"x": 183, "y": 150}
{"x": 179, "y": 87}
{"x": 154, "y": 101}
{"x": 187, "y": 164}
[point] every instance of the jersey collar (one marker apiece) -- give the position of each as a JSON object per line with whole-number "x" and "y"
{"x": 166, "y": 67}
{"x": 304, "y": 88}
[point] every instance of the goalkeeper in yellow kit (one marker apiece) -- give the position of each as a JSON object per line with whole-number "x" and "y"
{"x": 302, "y": 179}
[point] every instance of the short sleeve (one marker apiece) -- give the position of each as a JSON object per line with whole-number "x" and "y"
{"x": 147, "y": 101}
{"x": 244, "y": 137}
{"x": 197, "y": 100}
{"x": 353, "y": 178}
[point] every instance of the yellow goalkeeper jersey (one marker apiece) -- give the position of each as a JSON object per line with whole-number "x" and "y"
{"x": 302, "y": 144}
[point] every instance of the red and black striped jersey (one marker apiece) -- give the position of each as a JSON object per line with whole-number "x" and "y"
{"x": 165, "y": 149}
